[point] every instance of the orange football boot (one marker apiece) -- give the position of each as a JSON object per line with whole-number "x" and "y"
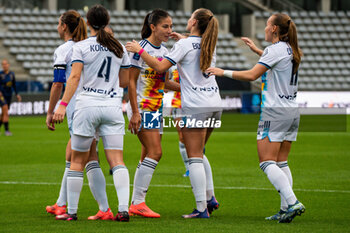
{"x": 142, "y": 210}
{"x": 55, "y": 209}
{"x": 108, "y": 215}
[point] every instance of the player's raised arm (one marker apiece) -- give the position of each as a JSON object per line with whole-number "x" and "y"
{"x": 245, "y": 75}
{"x": 252, "y": 46}
{"x": 159, "y": 66}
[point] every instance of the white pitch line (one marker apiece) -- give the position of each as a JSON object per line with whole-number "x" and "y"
{"x": 188, "y": 186}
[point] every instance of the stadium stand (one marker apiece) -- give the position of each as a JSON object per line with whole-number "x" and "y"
{"x": 325, "y": 41}
{"x": 32, "y": 37}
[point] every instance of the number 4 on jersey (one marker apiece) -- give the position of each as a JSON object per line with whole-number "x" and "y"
{"x": 100, "y": 74}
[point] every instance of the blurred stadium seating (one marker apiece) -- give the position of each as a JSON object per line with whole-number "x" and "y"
{"x": 32, "y": 37}
{"x": 325, "y": 41}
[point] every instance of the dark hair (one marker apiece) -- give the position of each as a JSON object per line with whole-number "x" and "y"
{"x": 76, "y": 25}
{"x": 154, "y": 18}
{"x": 287, "y": 32}
{"x": 208, "y": 27}
{"x": 98, "y": 19}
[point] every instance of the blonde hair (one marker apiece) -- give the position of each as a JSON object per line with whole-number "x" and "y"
{"x": 288, "y": 33}
{"x": 208, "y": 27}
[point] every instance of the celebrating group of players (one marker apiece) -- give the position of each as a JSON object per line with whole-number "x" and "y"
{"x": 97, "y": 68}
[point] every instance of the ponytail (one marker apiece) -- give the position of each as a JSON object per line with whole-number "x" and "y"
{"x": 293, "y": 41}
{"x": 208, "y": 26}
{"x": 80, "y": 32}
{"x": 107, "y": 40}
{"x": 76, "y": 25}
{"x": 154, "y": 18}
{"x": 288, "y": 33}
{"x": 98, "y": 19}
{"x": 146, "y": 29}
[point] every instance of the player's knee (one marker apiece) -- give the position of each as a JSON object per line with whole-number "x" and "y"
{"x": 155, "y": 154}
{"x": 77, "y": 165}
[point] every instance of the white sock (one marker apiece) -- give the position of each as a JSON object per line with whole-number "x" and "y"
{"x": 285, "y": 168}
{"x": 183, "y": 153}
{"x": 97, "y": 184}
{"x": 122, "y": 186}
{"x": 209, "y": 178}
{"x": 62, "y": 198}
{"x": 75, "y": 181}
{"x": 198, "y": 182}
{"x": 143, "y": 179}
{"x": 133, "y": 190}
{"x": 279, "y": 180}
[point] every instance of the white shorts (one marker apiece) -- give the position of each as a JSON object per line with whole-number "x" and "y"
{"x": 107, "y": 120}
{"x": 70, "y": 114}
{"x": 177, "y": 113}
{"x": 129, "y": 115}
{"x": 203, "y": 120}
{"x": 278, "y": 131}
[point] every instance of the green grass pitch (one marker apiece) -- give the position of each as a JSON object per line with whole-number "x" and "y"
{"x": 32, "y": 164}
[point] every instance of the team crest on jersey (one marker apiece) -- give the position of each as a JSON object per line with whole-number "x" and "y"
{"x": 151, "y": 120}
{"x": 136, "y": 57}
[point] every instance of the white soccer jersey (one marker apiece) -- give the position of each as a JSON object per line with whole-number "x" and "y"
{"x": 279, "y": 85}
{"x": 100, "y": 77}
{"x": 199, "y": 92}
{"x": 63, "y": 67}
{"x": 62, "y": 56}
{"x": 150, "y": 84}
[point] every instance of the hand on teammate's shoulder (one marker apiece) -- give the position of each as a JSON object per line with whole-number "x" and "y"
{"x": 177, "y": 36}
{"x": 133, "y": 46}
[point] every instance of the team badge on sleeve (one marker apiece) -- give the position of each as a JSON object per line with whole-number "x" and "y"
{"x": 136, "y": 57}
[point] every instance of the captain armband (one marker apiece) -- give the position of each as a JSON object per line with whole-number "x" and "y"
{"x": 59, "y": 73}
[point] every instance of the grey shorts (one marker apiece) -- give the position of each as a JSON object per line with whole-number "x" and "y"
{"x": 203, "y": 120}
{"x": 278, "y": 131}
{"x": 105, "y": 120}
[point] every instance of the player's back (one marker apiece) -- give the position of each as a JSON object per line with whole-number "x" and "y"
{"x": 100, "y": 77}
{"x": 199, "y": 92}
{"x": 280, "y": 85}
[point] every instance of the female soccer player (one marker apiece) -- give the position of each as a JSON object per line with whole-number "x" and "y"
{"x": 146, "y": 91}
{"x": 8, "y": 85}
{"x": 4, "y": 109}
{"x": 279, "y": 119}
{"x": 103, "y": 64}
{"x": 72, "y": 28}
{"x": 200, "y": 98}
